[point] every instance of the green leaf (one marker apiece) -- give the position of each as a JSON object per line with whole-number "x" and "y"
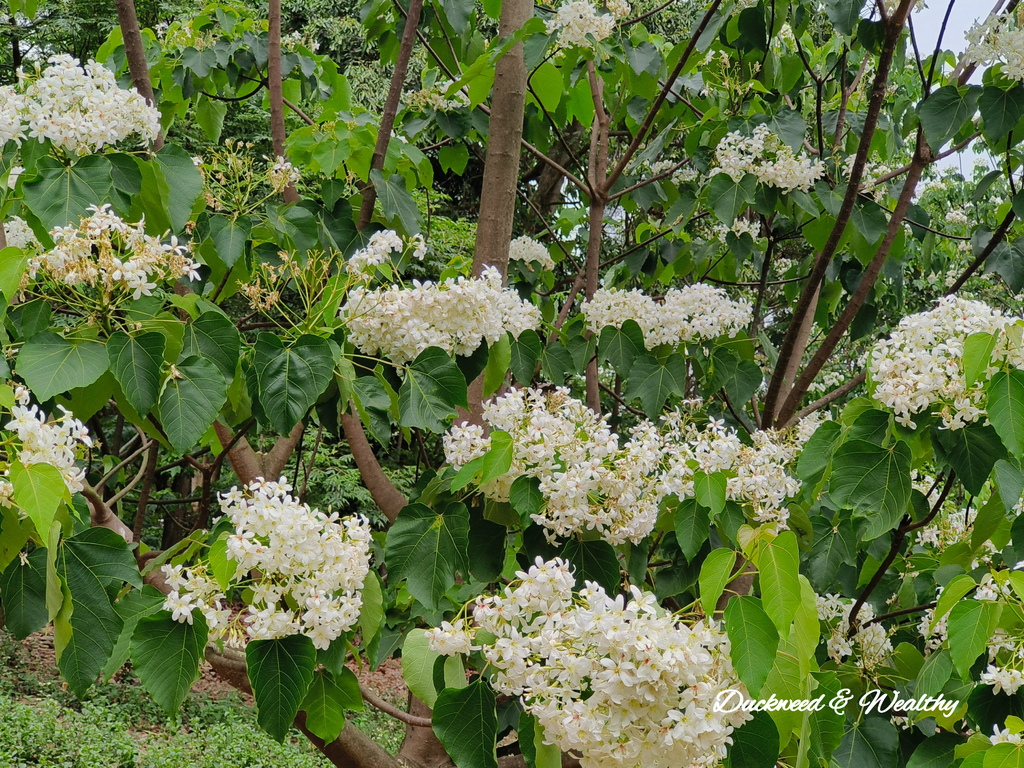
{"x": 88, "y": 565}
{"x": 191, "y": 401}
{"x": 23, "y": 585}
{"x": 938, "y": 751}
{"x": 525, "y": 354}
{"x": 817, "y": 453}
{"x": 280, "y": 671}
{"x": 844, "y": 15}
{"x": 1002, "y": 756}
{"x": 210, "y": 115}
{"x": 50, "y": 364}
{"x": 754, "y": 641}
{"x": 526, "y": 497}
{"x": 1001, "y": 110}
{"x": 955, "y": 591}
{"x": 39, "y": 490}
{"x": 872, "y": 481}
{"x": 778, "y": 566}
{"x": 727, "y": 198}
{"x": 223, "y": 569}
{"x": 972, "y": 452}
{"x": 229, "y": 238}
{"x": 166, "y": 655}
{"x": 499, "y": 358}
{"x": 594, "y": 561}
{"x": 418, "y": 666}
{"x": 546, "y": 84}
{"x": 1006, "y": 409}
{"x": 710, "y": 490}
{"x": 971, "y": 624}
{"x": 834, "y": 544}
{"x": 433, "y": 386}
{"x": 61, "y": 195}
{"x": 453, "y": 157}
{"x": 213, "y": 336}
{"x": 693, "y": 527}
{"x": 12, "y": 266}
{"x": 426, "y": 548}
{"x": 325, "y": 707}
{"x": 290, "y": 379}
{"x": 399, "y": 207}
{"x": 135, "y": 363}
{"x": 184, "y": 181}
{"x": 653, "y": 383}
{"x": 715, "y": 572}
{"x": 977, "y": 355}
{"x": 871, "y": 743}
{"x": 621, "y": 346}
{"x": 944, "y": 112}
{"x": 498, "y": 460}
{"x": 755, "y": 744}
{"x": 372, "y": 615}
{"x": 132, "y": 608}
{"x": 466, "y": 722}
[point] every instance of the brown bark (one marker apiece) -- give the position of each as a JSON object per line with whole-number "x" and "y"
{"x": 275, "y": 85}
{"x": 147, "y": 488}
{"x": 597, "y": 172}
{"x": 387, "y": 119}
{"x": 922, "y": 157}
{"x": 504, "y": 134}
{"x": 249, "y": 464}
{"x": 136, "y": 56}
{"x": 420, "y": 746}
{"x": 102, "y": 516}
{"x": 878, "y": 94}
{"x": 385, "y": 495}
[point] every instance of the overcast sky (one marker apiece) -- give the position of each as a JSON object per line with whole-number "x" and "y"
{"x": 927, "y": 24}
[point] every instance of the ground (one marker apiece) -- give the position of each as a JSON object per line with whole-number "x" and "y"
{"x": 119, "y": 726}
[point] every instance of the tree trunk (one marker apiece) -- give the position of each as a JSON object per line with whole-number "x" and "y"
{"x": 275, "y": 86}
{"x": 387, "y": 119}
{"x": 136, "y": 56}
{"x": 501, "y": 168}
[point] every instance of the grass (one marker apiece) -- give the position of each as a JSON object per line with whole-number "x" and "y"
{"x": 119, "y": 726}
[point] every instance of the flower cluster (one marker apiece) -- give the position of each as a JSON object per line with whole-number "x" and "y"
{"x": 529, "y": 251}
{"x": 579, "y": 23}
{"x": 282, "y": 174}
{"x": 105, "y": 252}
{"x": 305, "y": 569}
{"x": 921, "y": 365}
{"x": 870, "y": 644}
{"x": 364, "y": 262}
{"x": 79, "y": 108}
{"x": 998, "y": 40}
{"x": 588, "y": 481}
{"x": 59, "y": 443}
{"x": 697, "y": 311}
{"x": 456, "y": 315}
{"x": 615, "y": 679}
{"x": 767, "y": 157}
{"x": 437, "y": 98}
{"x": 20, "y": 235}
{"x": 757, "y": 475}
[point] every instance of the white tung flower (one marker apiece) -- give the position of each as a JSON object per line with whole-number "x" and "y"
{"x": 79, "y": 108}
{"x": 456, "y": 316}
{"x": 767, "y": 157}
{"x": 697, "y": 311}
{"x": 614, "y": 679}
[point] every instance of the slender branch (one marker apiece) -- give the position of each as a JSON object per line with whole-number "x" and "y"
{"x": 829, "y": 398}
{"x": 652, "y": 113}
{"x": 901, "y": 612}
{"x": 390, "y": 709}
{"x": 387, "y": 118}
{"x": 135, "y": 54}
{"x": 147, "y": 489}
{"x": 824, "y": 258}
{"x": 990, "y": 246}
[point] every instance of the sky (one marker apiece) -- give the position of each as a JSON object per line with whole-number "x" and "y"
{"x": 927, "y": 23}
